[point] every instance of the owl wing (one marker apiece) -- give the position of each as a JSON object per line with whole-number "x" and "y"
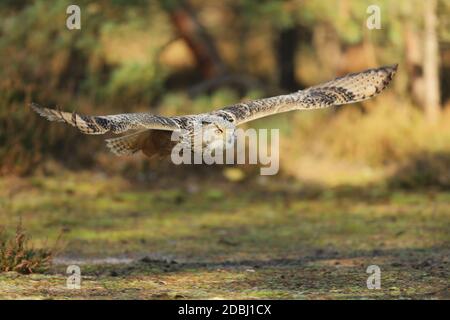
{"x": 351, "y": 88}
{"x": 101, "y": 124}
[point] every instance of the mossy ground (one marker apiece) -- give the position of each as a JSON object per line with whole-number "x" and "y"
{"x": 229, "y": 240}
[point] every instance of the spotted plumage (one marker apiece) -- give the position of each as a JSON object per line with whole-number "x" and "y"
{"x": 153, "y": 132}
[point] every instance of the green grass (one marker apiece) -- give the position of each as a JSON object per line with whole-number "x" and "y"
{"x": 243, "y": 241}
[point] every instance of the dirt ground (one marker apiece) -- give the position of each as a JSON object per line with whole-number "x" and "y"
{"x": 276, "y": 240}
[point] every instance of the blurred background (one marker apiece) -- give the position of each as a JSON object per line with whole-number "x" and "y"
{"x": 184, "y": 57}
{"x": 361, "y": 184}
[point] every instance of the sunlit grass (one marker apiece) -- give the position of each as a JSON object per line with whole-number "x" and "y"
{"x": 232, "y": 240}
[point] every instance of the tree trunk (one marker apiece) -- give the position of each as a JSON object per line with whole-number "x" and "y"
{"x": 286, "y": 46}
{"x": 200, "y": 42}
{"x": 414, "y": 63}
{"x": 431, "y": 63}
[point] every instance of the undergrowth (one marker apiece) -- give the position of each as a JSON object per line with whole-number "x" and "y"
{"x": 17, "y": 254}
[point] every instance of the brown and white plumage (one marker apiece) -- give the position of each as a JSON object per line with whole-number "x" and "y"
{"x": 153, "y": 132}
{"x": 354, "y": 87}
{"x": 118, "y": 123}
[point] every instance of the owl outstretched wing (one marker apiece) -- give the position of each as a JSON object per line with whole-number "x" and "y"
{"x": 351, "y": 88}
{"x": 152, "y": 137}
{"x": 114, "y": 123}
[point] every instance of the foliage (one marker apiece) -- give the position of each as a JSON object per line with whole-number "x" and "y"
{"x": 56, "y": 66}
{"x": 17, "y": 255}
{"x": 370, "y": 143}
{"x": 129, "y": 57}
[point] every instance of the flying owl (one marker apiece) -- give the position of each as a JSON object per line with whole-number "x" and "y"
{"x": 152, "y": 133}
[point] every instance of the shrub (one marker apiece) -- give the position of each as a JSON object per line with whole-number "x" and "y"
{"x": 16, "y": 254}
